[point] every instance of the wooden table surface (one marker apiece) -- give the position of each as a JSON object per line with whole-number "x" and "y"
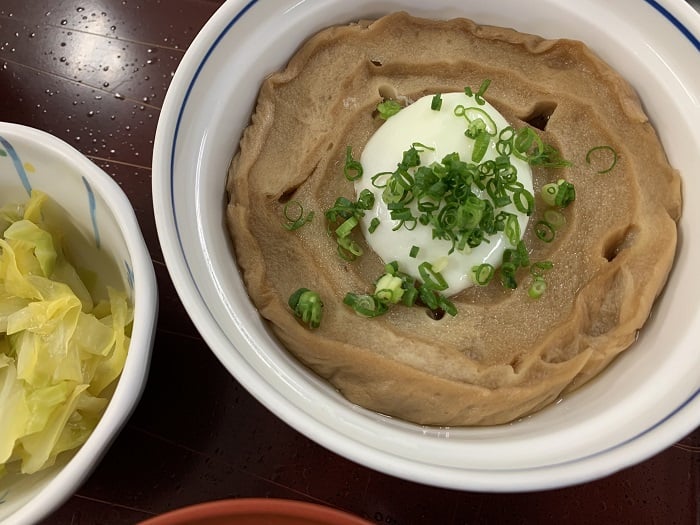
{"x": 94, "y": 73}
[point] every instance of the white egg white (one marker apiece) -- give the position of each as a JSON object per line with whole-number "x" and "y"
{"x": 444, "y": 132}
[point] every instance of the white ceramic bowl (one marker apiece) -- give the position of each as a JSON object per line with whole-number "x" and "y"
{"x": 103, "y": 235}
{"x": 644, "y": 402}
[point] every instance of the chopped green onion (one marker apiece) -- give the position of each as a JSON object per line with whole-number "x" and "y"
{"x": 383, "y": 175}
{"x": 431, "y": 278}
{"x": 537, "y": 288}
{"x": 352, "y": 169}
{"x": 529, "y": 146}
{"x": 508, "y": 270}
{"x": 518, "y": 256}
{"x": 512, "y": 229}
{"x": 549, "y": 193}
{"x": 478, "y": 119}
{"x": 414, "y": 251}
{"x": 537, "y": 269}
{"x": 365, "y": 200}
{"x": 296, "y": 221}
{"x": 446, "y": 305}
{"x": 481, "y": 146}
{"x": 389, "y": 289}
{"x": 373, "y": 225}
{"x": 476, "y": 127}
{"x": 555, "y": 218}
{"x": 346, "y": 227}
{"x": 436, "y": 103}
{"x": 560, "y": 193}
{"x": 524, "y": 201}
{"x": 483, "y": 274}
{"x": 565, "y": 195}
{"x": 307, "y": 306}
{"x": 388, "y": 108}
{"x": 504, "y": 146}
{"x": 544, "y": 231}
{"x": 613, "y": 162}
{"x": 478, "y": 96}
{"x": 346, "y": 244}
{"x": 365, "y": 305}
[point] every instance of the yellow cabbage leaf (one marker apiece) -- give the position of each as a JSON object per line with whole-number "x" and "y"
{"x": 59, "y": 348}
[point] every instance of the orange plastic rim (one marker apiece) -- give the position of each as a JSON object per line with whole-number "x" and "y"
{"x": 256, "y": 511}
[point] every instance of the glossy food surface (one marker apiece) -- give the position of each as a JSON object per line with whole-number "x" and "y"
{"x": 95, "y": 74}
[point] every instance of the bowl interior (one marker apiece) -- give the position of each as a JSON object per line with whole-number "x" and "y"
{"x": 93, "y": 239}
{"x": 93, "y": 213}
{"x": 643, "y": 402}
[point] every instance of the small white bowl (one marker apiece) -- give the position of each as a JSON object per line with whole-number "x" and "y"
{"x": 103, "y": 234}
{"x": 644, "y": 402}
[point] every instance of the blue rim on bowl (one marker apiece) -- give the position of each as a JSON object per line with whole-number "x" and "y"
{"x": 231, "y": 332}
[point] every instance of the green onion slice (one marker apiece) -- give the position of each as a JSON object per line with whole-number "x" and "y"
{"x": 352, "y": 169}
{"x": 560, "y": 193}
{"x": 431, "y": 278}
{"x": 544, "y": 231}
{"x": 365, "y": 305}
{"x": 296, "y": 220}
{"x": 475, "y": 115}
{"x": 348, "y": 249}
{"x": 512, "y": 229}
{"x": 388, "y": 108}
{"x": 613, "y": 161}
{"x": 537, "y": 269}
{"x": 346, "y": 227}
{"x": 481, "y": 146}
{"x": 307, "y": 306}
{"x": 555, "y": 218}
{"x": 537, "y": 288}
{"x": 483, "y": 274}
{"x": 389, "y": 289}
{"x": 479, "y": 95}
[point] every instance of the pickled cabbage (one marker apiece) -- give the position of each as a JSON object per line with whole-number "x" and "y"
{"x": 60, "y": 350}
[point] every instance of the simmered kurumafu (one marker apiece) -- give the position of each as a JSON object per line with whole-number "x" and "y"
{"x": 504, "y": 355}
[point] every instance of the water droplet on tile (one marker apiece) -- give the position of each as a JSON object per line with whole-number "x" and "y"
{"x": 64, "y": 22}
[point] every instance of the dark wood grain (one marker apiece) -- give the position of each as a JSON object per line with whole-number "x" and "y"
{"x": 95, "y": 73}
